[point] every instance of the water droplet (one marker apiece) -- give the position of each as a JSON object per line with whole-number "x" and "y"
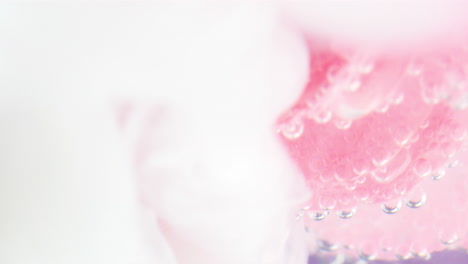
{"x": 346, "y": 214}
{"x": 361, "y": 166}
{"x": 438, "y": 174}
{"x": 380, "y": 156}
{"x": 293, "y": 129}
{"x": 392, "y": 207}
{"x": 422, "y": 167}
{"x": 318, "y": 216}
{"x": 402, "y": 135}
{"x": 327, "y": 246}
{"x": 416, "y": 202}
{"x": 343, "y": 124}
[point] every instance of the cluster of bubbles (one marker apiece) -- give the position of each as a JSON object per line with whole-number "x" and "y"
{"x": 381, "y": 156}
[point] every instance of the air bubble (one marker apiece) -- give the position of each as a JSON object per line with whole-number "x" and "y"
{"x": 391, "y": 208}
{"x": 400, "y": 188}
{"x": 380, "y": 157}
{"x": 458, "y": 133}
{"x": 424, "y": 124}
{"x": 402, "y": 136}
{"x": 365, "y": 68}
{"x": 343, "y": 124}
{"x": 300, "y": 214}
{"x": 453, "y": 164}
{"x": 414, "y": 69}
{"x": 351, "y": 185}
{"x": 361, "y": 166}
{"x": 383, "y": 108}
{"x": 449, "y": 150}
{"x": 361, "y": 195}
{"x": 449, "y": 240}
{"x": 293, "y": 129}
{"x": 353, "y": 85}
{"x": 320, "y": 115}
{"x": 361, "y": 179}
{"x": 422, "y": 167}
{"x": 438, "y": 174}
{"x": 327, "y": 246}
{"x": 416, "y": 203}
{"x": 318, "y": 216}
{"x": 398, "y": 99}
{"x": 430, "y": 89}
{"x": 367, "y": 256}
{"x": 333, "y": 73}
{"x": 327, "y": 203}
{"x": 347, "y": 214}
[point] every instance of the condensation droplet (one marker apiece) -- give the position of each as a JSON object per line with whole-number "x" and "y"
{"x": 416, "y": 203}
{"x": 343, "y": 124}
{"x": 391, "y": 208}
{"x": 438, "y": 174}
{"x": 422, "y": 167}
{"x": 346, "y": 214}
{"x": 318, "y": 216}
